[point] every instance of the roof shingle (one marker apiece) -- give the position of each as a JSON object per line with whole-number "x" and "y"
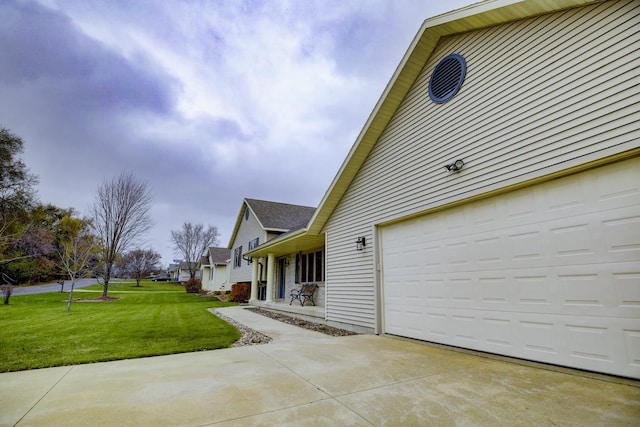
{"x": 280, "y": 216}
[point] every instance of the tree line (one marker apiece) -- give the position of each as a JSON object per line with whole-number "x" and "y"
{"x": 43, "y": 242}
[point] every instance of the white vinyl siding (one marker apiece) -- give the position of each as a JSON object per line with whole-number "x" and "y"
{"x": 219, "y": 280}
{"x": 351, "y": 298}
{"x": 206, "y": 278}
{"x": 541, "y": 95}
{"x": 249, "y": 229}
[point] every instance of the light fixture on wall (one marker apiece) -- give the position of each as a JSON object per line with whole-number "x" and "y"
{"x": 455, "y": 166}
{"x": 361, "y": 243}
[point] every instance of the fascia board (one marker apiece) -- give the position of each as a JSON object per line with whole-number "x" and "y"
{"x": 472, "y": 17}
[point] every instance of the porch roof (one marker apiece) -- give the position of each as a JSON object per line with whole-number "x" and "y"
{"x": 289, "y": 243}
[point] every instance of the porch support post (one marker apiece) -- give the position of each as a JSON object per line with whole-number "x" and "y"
{"x": 271, "y": 263}
{"x": 254, "y": 279}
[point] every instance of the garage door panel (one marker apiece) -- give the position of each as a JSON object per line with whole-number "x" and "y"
{"x": 615, "y": 238}
{"x": 631, "y": 340}
{"x": 623, "y": 236}
{"x": 582, "y": 341}
{"x": 549, "y": 273}
{"x": 627, "y": 293}
{"x": 574, "y": 290}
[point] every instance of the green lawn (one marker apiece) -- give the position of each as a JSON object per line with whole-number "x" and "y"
{"x": 36, "y": 331}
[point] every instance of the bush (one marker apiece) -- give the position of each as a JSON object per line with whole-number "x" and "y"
{"x": 193, "y": 286}
{"x": 240, "y": 292}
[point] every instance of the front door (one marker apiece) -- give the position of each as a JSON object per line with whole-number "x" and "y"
{"x": 282, "y": 263}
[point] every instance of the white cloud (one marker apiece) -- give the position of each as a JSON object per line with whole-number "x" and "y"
{"x": 211, "y": 101}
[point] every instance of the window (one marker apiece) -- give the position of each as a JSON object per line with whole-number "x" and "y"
{"x": 252, "y": 245}
{"x": 237, "y": 257}
{"x": 310, "y": 267}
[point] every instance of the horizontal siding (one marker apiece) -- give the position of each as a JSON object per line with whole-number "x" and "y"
{"x": 249, "y": 229}
{"x": 540, "y": 94}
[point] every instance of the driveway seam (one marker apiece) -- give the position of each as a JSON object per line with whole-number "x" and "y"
{"x": 44, "y": 395}
{"x": 326, "y": 393}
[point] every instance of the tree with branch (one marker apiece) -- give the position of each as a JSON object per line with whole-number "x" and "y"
{"x": 192, "y": 242}
{"x": 17, "y": 194}
{"x": 76, "y": 246}
{"x": 120, "y": 217}
{"x": 139, "y": 263}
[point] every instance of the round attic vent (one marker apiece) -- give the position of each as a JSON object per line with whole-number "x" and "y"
{"x": 447, "y": 78}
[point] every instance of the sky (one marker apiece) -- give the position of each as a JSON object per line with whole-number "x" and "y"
{"x": 208, "y": 101}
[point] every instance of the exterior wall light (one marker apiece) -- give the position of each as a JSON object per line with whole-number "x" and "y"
{"x": 455, "y": 166}
{"x": 360, "y": 243}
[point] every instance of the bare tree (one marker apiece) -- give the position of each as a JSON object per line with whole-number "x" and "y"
{"x": 6, "y": 287}
{"x": 76, "y": 246}
{"x": 192, "y": 242}
{"x": 120, "y": 217}
{"x": 139, "y": 263}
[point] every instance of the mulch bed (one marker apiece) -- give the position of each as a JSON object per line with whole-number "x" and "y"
{"x": 318, "y": 327}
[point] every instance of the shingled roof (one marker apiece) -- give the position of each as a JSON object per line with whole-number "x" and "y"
{"x": 274, "y": 216}
{"x": 280, "y": 216}
{"x": 219, "y": 255}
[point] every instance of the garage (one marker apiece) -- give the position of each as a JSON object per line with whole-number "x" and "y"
{"x": 549, "y": 273}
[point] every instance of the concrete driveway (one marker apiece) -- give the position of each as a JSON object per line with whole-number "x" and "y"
{"x": 306, "y": 378}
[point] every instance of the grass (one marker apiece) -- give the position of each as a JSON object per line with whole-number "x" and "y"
{"x": 36, "y": 331}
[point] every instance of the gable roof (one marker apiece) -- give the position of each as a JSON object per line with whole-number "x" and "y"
{"x": 473, "y": 17}
{"x": 280, "y": 216}
{"x": 184, "y": 265}
{"x": 274, "y": 216}
{"x": 219, "y": 255}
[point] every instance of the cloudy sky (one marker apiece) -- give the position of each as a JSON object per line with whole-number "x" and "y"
{"x": 209, "y": 101}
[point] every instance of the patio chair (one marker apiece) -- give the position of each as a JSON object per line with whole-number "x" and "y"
{"x": 304, "y": 293}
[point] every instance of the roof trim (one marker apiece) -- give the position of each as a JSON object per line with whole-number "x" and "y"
{"x": 286, "y": 244}
{"x": 472, "y": 17}
{"x": 265, "y": 213}
{"x": 246, "y": 205}
{"x": 236, "y": 227}
{"x": 262, "y": 250}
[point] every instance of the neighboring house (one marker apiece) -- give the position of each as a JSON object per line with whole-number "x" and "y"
{"x": 172, "y": 271}
{"x": 260, "y": 221}
{"x": 183, "y": 273}
{"x": 495, "y": 190}
{"x": 214, "y": 270}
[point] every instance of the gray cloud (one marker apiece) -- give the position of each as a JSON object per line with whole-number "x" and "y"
{"x": 209, "y": 101}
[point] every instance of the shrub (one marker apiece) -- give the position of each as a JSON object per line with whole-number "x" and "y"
{"x": 193, "y": 286}
{"x": 240, "y": 292}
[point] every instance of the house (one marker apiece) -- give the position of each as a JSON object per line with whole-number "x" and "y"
{"x": 183, "y": 274}
{"x": 492, "y": 199}
{"x": 172, "y": 271}
{"x": 214, "y": 269}
{"x": 260, "y": 221}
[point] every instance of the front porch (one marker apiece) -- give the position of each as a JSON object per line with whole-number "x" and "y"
{"x": 309, "y": 312}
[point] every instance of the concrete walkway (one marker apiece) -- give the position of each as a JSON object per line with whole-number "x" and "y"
{"x": 306, "y": 378}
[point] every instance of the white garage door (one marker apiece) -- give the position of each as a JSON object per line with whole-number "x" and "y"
{"x": 549, "y": 273}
